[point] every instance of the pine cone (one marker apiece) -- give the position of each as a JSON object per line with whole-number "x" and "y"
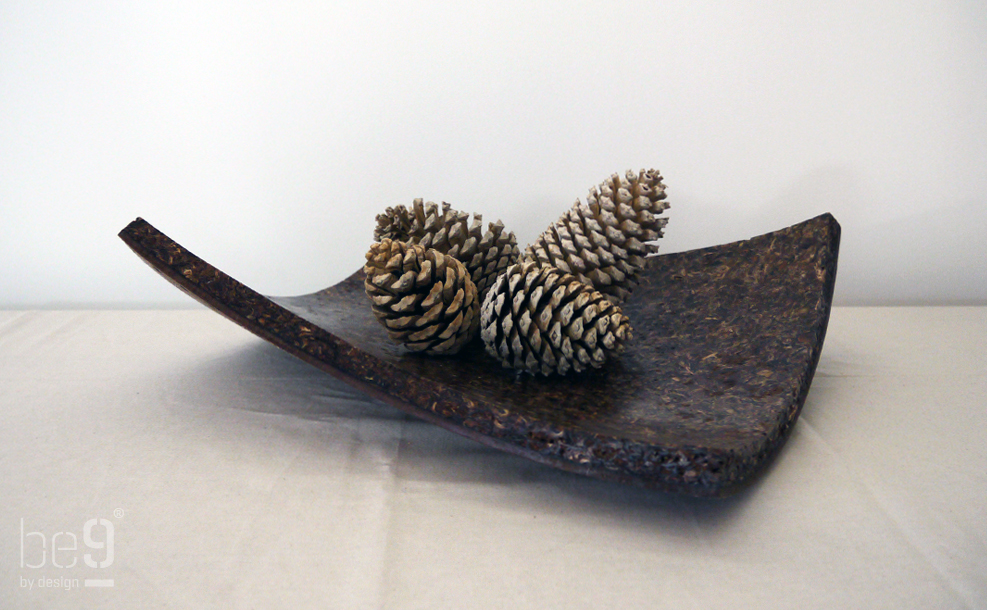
{"x": 485, "y": 255}
{"x": 424, "y": 299}
{"x": 542, "y": 320}
{"x": 602, "y": 241}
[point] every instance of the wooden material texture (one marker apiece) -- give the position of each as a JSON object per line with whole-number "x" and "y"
{"x": 726, "y": 341}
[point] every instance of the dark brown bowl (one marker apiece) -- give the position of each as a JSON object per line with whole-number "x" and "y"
{"x": 726, "y": 341}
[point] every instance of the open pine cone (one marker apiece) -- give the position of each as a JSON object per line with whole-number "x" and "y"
{"x": 485, "y": 254}
{"x": 603, "y": 241}
{"x": 425, "y": 299}
{"x": 539, "y": 319}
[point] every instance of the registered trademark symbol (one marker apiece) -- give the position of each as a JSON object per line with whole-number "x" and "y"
{"x": 118, "y": 513}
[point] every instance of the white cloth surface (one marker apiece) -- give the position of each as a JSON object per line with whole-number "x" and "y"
{"x": 235, "y": 476}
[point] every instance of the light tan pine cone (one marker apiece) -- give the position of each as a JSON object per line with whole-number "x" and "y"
{"x": 603, "y": 241}
{"x": 485, "y": 254}
{"x": 425, "y": 299}
{"x": 539, "y": 319}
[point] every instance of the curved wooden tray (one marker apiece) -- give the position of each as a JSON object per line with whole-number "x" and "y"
{"x": 726, "y": 341}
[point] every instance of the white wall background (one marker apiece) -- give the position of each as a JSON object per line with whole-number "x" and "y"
{"x": 265, "y": 136}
